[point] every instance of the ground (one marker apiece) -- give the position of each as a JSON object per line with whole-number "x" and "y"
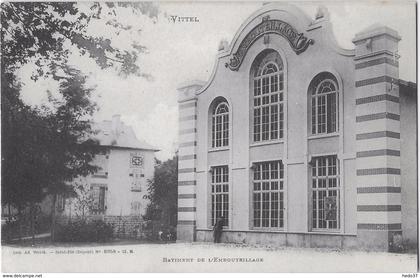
{"x": 197, "y": 257}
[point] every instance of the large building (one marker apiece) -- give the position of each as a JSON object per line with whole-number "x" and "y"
{"x": 296, "y": 141}
{"x": 115, "y": 193}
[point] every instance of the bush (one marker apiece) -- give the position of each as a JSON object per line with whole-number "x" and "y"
{"x": 82, "y": 231}
{"x": 154, "y": 230}
{"x": 42, "y": 223}
{"x": 9, "y": 230}
{"x": 22, "y": 226}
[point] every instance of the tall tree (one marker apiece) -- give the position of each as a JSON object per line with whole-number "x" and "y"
{"x": 22, "y": 131}
{"x": 45, "y": 148}
{"x": 69, "y": 146}
{"x": 163, "y": 193}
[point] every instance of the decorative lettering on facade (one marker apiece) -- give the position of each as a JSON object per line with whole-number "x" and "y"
{"x": 297, "y": 41}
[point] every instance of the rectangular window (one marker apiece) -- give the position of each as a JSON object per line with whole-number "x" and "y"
{"x": 325, "y": 192}
{"x": 268, "y": 195}
{"x": 137, "y": 180}
{"x": 60, "y": 202}
{"x": 102, "y": 161}
{"x": 98, "y": 198}
{"x": 220, "y": 194}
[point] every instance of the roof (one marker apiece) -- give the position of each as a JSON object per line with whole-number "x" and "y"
{"x": 407, "y": 88}
{"x": 407, "y": 83}
{"x": 124, "y": 137}
{"x": 191, "y": 83}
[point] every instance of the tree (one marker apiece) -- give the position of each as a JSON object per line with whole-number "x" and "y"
{"x": 22, "y": 131}
{"x": 69, "y": 147}
{"x": 45, "y": 147}
{"x": 163, "y": 193}
{"x": 84, "y": 200}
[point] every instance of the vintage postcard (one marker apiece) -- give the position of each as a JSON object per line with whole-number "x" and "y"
{"x": 209, "y": 137}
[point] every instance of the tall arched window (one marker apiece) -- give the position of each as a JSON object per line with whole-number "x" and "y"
{"x": 268, "y": 88}
{"x": 220, "y": 126}
{"x": 324, "y": 107}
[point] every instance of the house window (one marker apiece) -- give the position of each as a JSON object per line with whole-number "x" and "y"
{"x": 136, "y": 179}
{"x": 220, "y": 194}
{"x": 220, "y": 126}
{"x": 324, "y": 103}
{"x": 268, "y": 89}
{"x": 325, "y": 192}
{"x": 60, "y": 203}
{"x": 102, "y": 162}
{"x": 268, "y": 195}
{"x": 98, "y": 198}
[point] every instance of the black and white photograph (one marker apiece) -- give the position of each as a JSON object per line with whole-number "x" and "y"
{"x": 162, "y": 137}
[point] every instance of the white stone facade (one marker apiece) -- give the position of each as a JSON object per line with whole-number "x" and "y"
{"x": 126, "y": 166}
{"x": 361, "y": 139}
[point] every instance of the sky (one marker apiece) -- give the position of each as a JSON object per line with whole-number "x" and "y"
{"x": 178, "y": 52}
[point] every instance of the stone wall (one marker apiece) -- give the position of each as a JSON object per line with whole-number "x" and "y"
{"x": 278, "y": 239}
{"x": 127, "y": 226}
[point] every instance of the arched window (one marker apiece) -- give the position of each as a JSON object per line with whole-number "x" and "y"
{"x": 220, "y": 126}
{"x": 268, "y": 88}
{"x": 324, "y": 107}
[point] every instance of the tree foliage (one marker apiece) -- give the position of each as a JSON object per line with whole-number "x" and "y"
{"x": 22, "y": 130}
{"x": 163, "y": 193}
{"x": 84, "y": 200}
{"x": 42, "y": 32}
{"x": 43, "y": 149}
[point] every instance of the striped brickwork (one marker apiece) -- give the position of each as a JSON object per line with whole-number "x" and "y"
{"x": 377, "y": 137}
{"x": 187, "y": 168}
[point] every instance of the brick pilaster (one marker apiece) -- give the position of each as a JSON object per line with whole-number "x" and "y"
{"x": 187, "y": 162}
{"x": 377, "y": 138}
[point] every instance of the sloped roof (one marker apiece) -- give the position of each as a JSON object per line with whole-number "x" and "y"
{"x": 123, "y": 138}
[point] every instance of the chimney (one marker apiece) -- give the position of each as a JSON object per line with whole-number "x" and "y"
{"x": 223, "y": 45}
{"x": 116, "y": 125}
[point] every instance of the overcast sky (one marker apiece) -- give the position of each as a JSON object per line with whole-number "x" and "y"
{"x": 184, "y": 51}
